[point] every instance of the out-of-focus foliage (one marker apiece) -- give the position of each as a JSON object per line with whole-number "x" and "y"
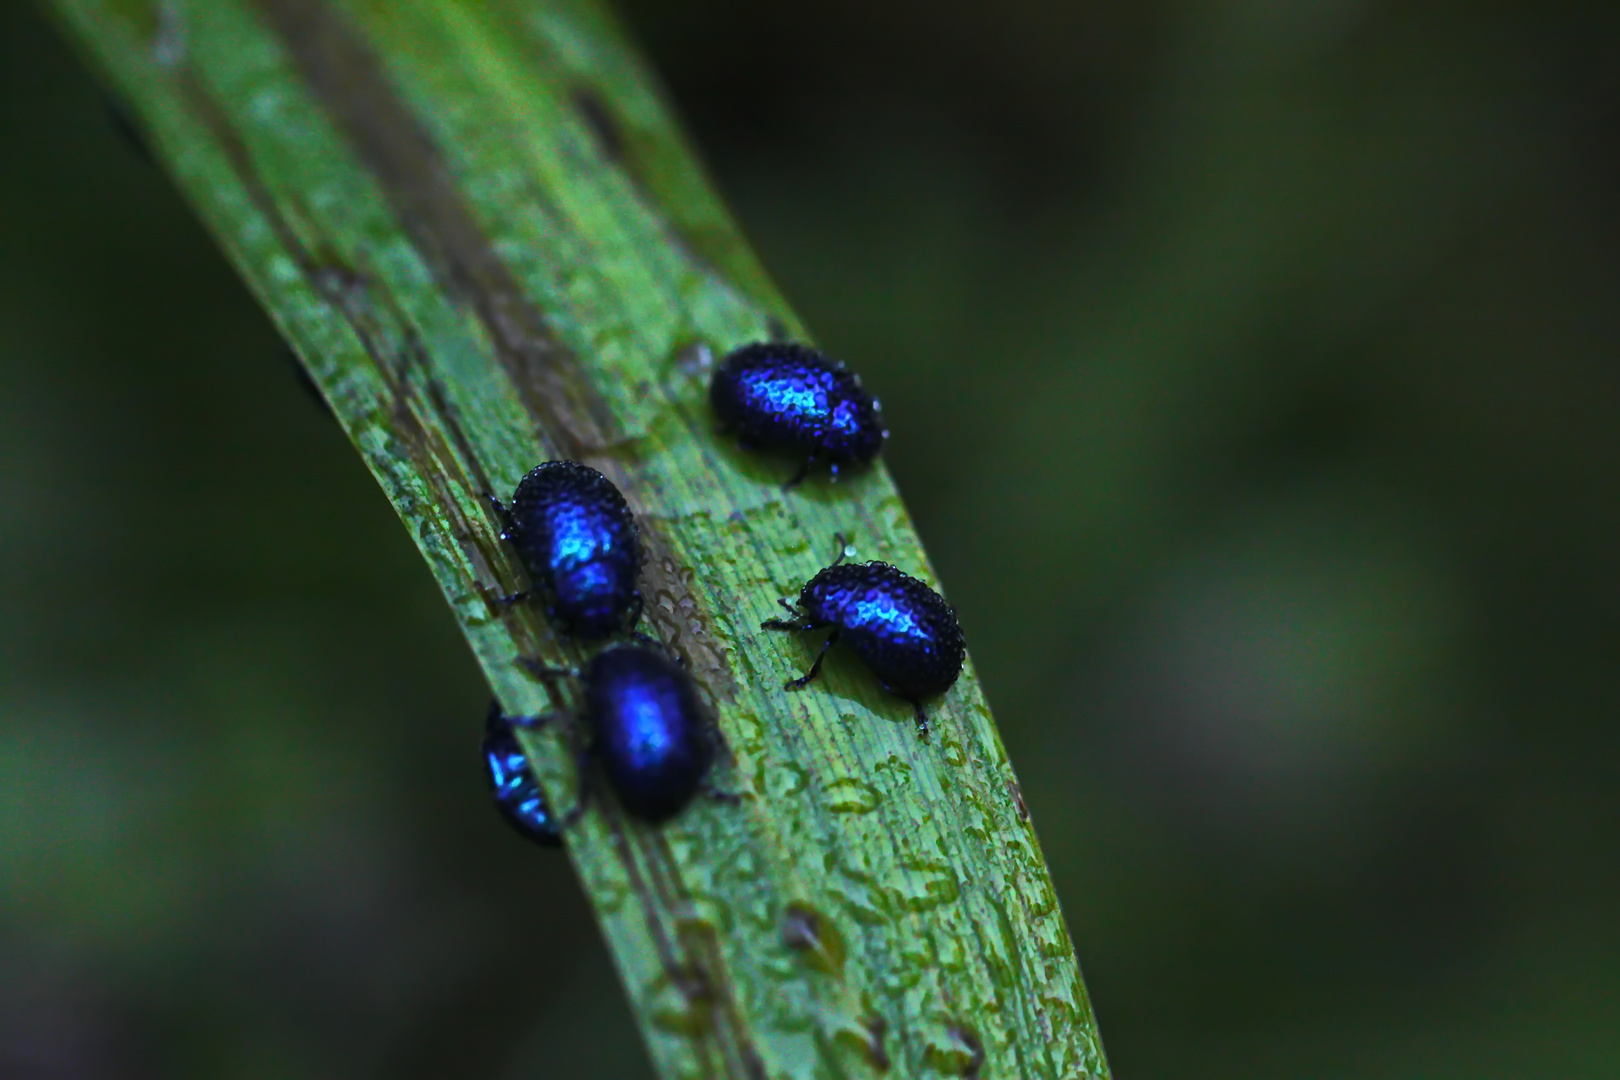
{"x": 1253, "y": 376}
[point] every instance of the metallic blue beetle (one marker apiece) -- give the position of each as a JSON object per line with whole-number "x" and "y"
{"x": 904, "y": 631}
{"x": 796, "y": 400}
{"x": 647, "y": 727}
{"x": 512, "y": 784}
{"x": 576, "y": 536}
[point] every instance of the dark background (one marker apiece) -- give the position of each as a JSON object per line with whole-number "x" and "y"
{"x": 1252, "y": 369}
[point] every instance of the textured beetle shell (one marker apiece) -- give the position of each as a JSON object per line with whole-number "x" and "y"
{"x": 903, "y": 630}
{"x": 793, "y": 398}
{"x": 512, "y": 784}
{"x": 648, "y": 729}
{"x": 577, "y": 538}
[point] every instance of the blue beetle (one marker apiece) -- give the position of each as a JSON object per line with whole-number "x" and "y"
{"x": 904, "y": 631}
{"x": 647, "y": 727}
{"x": 793, "y": 399}
{"x": 574, "y": 533}
{"x": 512, "y": 784}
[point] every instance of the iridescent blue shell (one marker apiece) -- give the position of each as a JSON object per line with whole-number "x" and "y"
{"x": 576, "y": 536}
{"x": 512, "y": 784}
{"x": 793, "y": 399}
{"x": 901, "y": 629}
{"x": 648, "y": 729}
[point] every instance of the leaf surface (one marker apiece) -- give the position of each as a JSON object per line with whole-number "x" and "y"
{"x": 485, "y": 237}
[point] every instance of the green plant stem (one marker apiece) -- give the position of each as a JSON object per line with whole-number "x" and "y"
{"x": 483, "y": 234}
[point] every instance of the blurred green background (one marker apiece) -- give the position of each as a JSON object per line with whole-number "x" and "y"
{"x": 1252, "y": 368}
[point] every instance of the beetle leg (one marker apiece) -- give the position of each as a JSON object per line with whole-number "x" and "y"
{"x": 502, "y": 515}
{"x": 548, "y": 675}
{"x": 527, "y": 723}
{"x": 797, "y": 622}
{"x": 545, "y": 672}
{"x": 653, "y": 643}
{"x": 798, "y": 477}
{"x": 511, "y": 600}
{"x": 721, "y": 795}
{"x": 815, "y": 669}
{"x": 784, "y": 624}
{"x": 922, "y": 720}
{"x": 582, "y": 763}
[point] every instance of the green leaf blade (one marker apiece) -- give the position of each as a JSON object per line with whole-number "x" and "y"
{"x": 487, "y": 241}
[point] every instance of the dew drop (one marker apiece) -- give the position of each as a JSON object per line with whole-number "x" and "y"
{"x": 684, "y": 847}
{"x": 680, "y": 1002}
{"x": 748, "y": 732}
{"x": 611, "y": 895}
{"x": 1051, "y": 940}
{"x": 1062, "y": 1012}
{"x": 955, "y": 1050}
{"x": 781, "y": 968}
{"x": 914, "y": 953}
{"x": 760, "y": 915}
{"x": 851, "y": 795}
{"x": 814, "y": 937}
{"x": 786, "y": 779}
{"x": 926, "y": 885}
{"x": 865, "y": 1040}
{"x": 863, "y": 896}
{"x": 895, "y": 767}
{"x": 694, "y": 359}
{"x": 707, "y": 915}
{"x": 898, "y": 763}
{"x": 896, "y": 980}
{"x": 950, "y": 952}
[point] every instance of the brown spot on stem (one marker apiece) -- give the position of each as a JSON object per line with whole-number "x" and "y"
{"x": 409, "y": 169}
{"x": 975, "y": 1048}
{"x": 1018, "y": 799}
{"x": 413, "y": 175}
{"x": 604, "y": 129}
{"x": 806, "y": 930}
{"x": 876, "y": 1028}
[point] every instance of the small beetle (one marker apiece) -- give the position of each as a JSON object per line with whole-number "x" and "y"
{"x": 512, "y": 784}
{"x": 791, "y": 398}
{"x": 904, "y": 631}
{"x": 647, "y": 727}
{"x": 575, "y": 535}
